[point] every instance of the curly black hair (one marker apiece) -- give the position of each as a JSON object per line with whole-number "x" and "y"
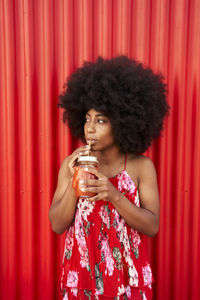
{"x": 129, "y": 94}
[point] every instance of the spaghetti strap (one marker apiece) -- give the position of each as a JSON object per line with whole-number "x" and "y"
{"x": 125, "y": 162}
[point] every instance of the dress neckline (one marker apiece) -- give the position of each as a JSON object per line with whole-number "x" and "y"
{"x": 121, "y": 172}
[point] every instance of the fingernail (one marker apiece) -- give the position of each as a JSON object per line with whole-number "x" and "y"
{"x": 86, "y": 169}
{"x": 82, "y": 188}
{"x": 81, "y": 181}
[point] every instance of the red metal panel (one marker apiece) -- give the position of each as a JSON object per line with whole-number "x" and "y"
{"x": 41, "y": 43}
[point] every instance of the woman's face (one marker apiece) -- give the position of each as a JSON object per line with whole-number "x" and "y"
{"x": 98, "y": 130}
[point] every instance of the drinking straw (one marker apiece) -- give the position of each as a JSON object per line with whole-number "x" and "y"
{"x": 90, "y": 142}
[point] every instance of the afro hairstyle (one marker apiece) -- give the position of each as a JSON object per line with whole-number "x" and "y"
{"x": 129, "y": 94}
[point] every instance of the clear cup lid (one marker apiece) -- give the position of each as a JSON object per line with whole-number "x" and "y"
{"x": 88, "y": 158}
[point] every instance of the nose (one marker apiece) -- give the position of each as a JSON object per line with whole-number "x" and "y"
{"x": 91, "y": 128}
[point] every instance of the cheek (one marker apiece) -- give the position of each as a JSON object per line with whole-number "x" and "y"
{"x": 112, "y": 139}
{"x": 84, "y": 128}
{"x": 109, "y": 136}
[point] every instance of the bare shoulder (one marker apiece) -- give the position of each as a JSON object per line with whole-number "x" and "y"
{"x": 64, "y": 168}
{"x": 145, "y": 163}
{"x": 63, "y": 180}
{"x": 146, "y": 182}
{"x": 63, "y": 175}
{"x": 140, "y": 166}
{"x": 64, "y": 165}
{"x": 147, "y": 173}
{"x": 140, "y": 161}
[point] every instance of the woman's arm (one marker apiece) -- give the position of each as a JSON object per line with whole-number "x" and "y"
{"x": 62, "y": 210}
{"x": 63, "y": 207}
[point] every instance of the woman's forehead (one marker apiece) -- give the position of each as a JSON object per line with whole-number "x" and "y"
{"x": 95, "y": 113}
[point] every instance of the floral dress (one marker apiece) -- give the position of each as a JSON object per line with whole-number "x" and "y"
{"x": 104, "y": 258}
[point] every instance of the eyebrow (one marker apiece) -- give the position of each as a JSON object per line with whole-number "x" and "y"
{"x": 97, "y": 115}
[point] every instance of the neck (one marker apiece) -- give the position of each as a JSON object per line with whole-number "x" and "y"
{"x": 108, "y": 156}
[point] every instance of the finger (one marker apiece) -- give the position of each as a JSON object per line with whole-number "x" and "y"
{"x": 82, "y": 150}
{"x": 86, "y": 146}
{"x": 95, "y": 172}
{"x": 76, "y": 155}
{"x": 92, "y": 189}
{"x": 100, "y": 196}
{"x": 83, "y": 147}
{"x": 92, "y": 182}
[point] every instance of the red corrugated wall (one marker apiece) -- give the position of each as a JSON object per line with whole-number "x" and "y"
{"x": 41, "y": 43}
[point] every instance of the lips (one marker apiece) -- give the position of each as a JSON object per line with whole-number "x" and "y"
{"x": 93, "y": 141}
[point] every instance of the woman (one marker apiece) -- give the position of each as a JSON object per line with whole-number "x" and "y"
{"x": 118, "y": 105}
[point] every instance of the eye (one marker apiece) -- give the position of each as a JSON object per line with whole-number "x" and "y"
{"x": 101, "y": 121}
{"x": 87, "y": 119}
